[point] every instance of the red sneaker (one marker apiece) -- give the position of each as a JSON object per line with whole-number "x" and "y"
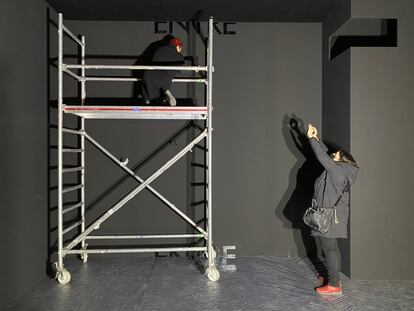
{"x": 329, "y": 290}
{"x": 324, "y": 281}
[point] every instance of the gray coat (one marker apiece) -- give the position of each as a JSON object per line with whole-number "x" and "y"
{"x": 329, "y": 186}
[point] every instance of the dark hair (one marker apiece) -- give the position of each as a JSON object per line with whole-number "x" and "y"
{"x": 347, "y": 157}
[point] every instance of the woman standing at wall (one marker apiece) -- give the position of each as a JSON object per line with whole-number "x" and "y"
{"x": 333, "y": 184}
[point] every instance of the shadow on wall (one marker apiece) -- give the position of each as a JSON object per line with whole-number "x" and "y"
{"x": 298, "y": 195}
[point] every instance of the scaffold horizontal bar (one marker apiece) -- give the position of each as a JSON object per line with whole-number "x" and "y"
{"x": 70, "y": 189}
{"x": 72, "y": 131}
{"x": 201, "y": 109}
{"x": 135, "y": 250}
{"x": 179, "y": 68}
{"x": 130, "y": 79}
{"x": 138, "y": 112}
{"x": 71, "y": 208}
{"x": 191, "y": 80}
{"x": 72, "y": 150}
{"x": 144, "y": 236}
{"x": 112, "y": 79}
{"x": 72, "y": 35}
{"x": 76, "y": 224}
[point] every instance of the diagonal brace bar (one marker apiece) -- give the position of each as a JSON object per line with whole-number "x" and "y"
{"x": 153, "y": 191}
{"x": 133, "y": 193}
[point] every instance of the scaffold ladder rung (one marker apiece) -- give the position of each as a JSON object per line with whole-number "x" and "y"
{"x": 72, "y": 150}
{"x": 70, "y": 131}
{"x": 199, "y": 165}
{"x": 76, "y": 224}
{"x": 71, "y": 208}
{"x": 198, "y": 184}
{"x": 72, "y": 169}
{"x": 203, "y": 202}
{"x": 70, "y": 189}
{"x": 201, "y": 148}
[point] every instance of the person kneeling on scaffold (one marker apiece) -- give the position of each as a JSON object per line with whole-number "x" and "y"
{"x": 156, "y": 84}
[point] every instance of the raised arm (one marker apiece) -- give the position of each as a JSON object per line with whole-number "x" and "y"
{"x": 320, "y": 150}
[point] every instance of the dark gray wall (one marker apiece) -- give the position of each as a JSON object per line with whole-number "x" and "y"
{"x": 336, "y": 97}
{"x": 263, "y": 73}
{"x": 382, "y": 90}
{"x": 23, "y": 96}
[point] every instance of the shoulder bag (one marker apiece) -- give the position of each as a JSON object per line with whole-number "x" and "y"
{"x": 320, "y": 218}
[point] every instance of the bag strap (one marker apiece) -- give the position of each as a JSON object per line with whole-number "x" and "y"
{"x": 337, "y": 201}
{"x": 343, "y": 191}
{"x": 324, "y": 187}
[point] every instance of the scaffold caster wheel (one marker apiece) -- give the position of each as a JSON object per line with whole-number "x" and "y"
{"x": 213, "y": 274}
{"x": 84, "y": 257}
{"x": 63, "y": 276}
{"x": 214, "y": 253}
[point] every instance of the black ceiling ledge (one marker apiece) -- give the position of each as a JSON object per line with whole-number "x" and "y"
{"x": 363, "y": 33}
{"x": 200, "y": 10}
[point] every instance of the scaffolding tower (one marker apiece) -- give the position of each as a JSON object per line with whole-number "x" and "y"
{"x": 78, "y": 244}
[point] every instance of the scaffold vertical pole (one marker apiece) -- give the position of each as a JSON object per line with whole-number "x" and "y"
{"x": 82, "y": 128}
{"x": 60, "y": 142}
{"x": 209, "y": 144}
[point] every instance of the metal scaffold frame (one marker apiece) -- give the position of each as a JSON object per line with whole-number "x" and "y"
{"x": 127, "y": 112}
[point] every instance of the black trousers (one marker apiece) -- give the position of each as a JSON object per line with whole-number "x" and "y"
{"x": 155, "y": 83}
{"x": 331, "y": 260}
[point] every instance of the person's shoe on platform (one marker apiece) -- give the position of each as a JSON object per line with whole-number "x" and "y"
{"x": 170, "y": 99}
{"x": 329, "y": 290}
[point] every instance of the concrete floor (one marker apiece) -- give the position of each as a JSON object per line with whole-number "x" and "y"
{"x": 176, "y": 283}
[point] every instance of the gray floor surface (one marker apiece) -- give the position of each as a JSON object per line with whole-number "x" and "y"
{"x": 177, "y": 283}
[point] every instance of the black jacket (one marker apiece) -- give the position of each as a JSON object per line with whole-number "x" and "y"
{"x": 155, "y": 82}
{"x": 329, "y": 186}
